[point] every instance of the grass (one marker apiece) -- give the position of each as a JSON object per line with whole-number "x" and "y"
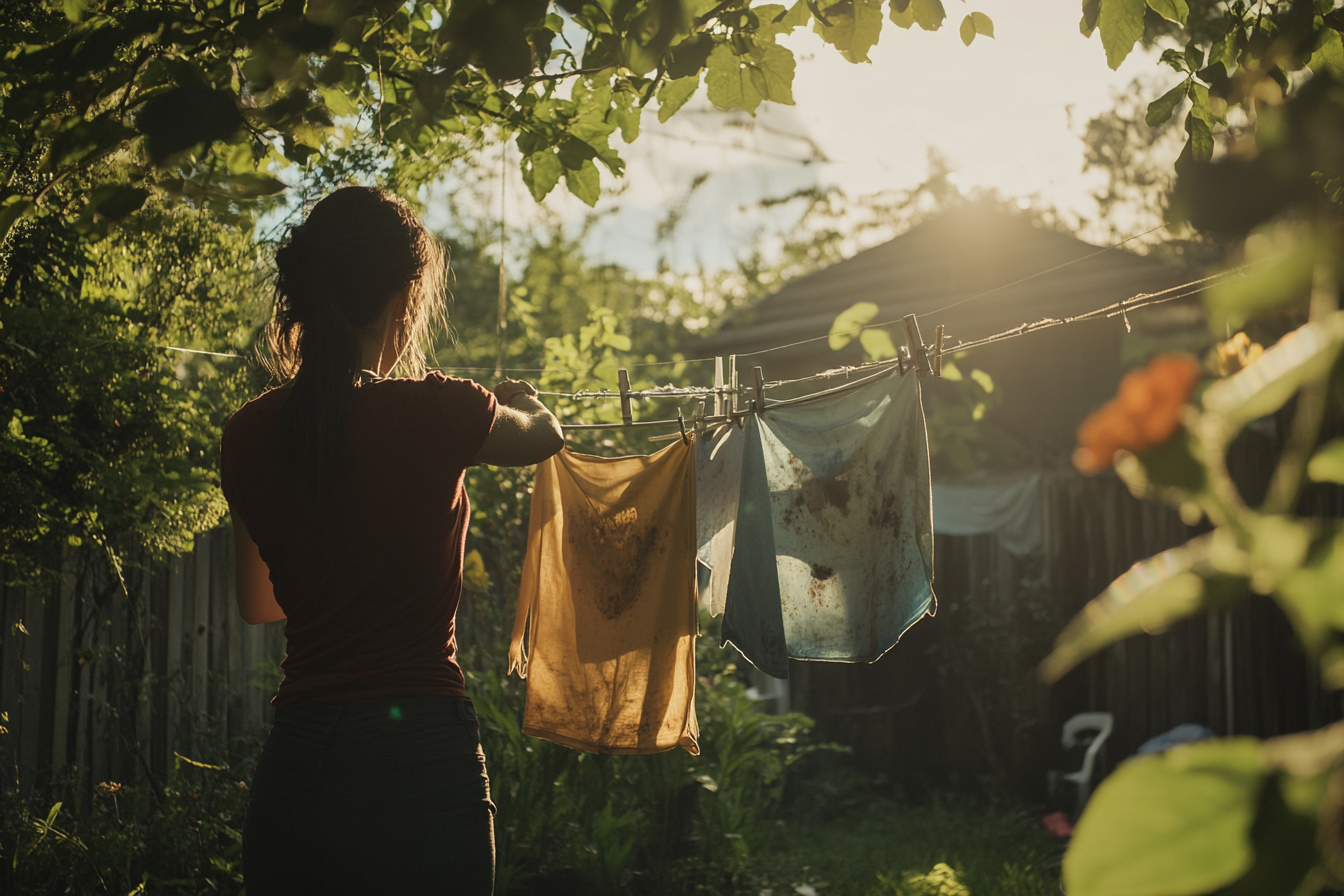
{"x": 885, "y": 847}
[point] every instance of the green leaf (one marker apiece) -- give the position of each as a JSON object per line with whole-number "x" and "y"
{"x": 1310, "y": 596}
{"x": 1169, "y": 825}
{"x": 1172, "y": 10}
{"x": 983, "y": 24}
{"x": 541, "y": 172}
{"x": 902, "y": 16}
{"x": 849, "y": 324}
{"x": 254, "y": 186}
{"x": 1201, "y": 138}
{"x": 1265, "y": 386}
{"x": 951, "y": 371}
{"x": 1171, "y": 465}
{"x": 186, "y": 116}
{"x": 1225, "y": 51}
{"x": 743, "y": 82}
{"x": 1121, "y": 25}
{"x": 854, "y": 28}
{"x": 75, "y": 9}
{"x": 1327, "y": 53}
{"x": 984, "y": 380}
{"x": 929, "y": 14}
{"x": 1199, "y": 107}
{"x": 584, "y": 182}
{"x": 1088, "y": 23}
{"x": 672, "y": 95}
{"x": 1161, "y": 109}
{"x": 1150, "y": 596}
{"x": 967, "y": 30}
{"x": 1270, "y": 285}
{"x": 338, "y": 102}
{"x": 877, "y": 345}
{"x": 1327, "y": 465}
{"x": 115, "y": 201}
{"x": 1284, "y": 836}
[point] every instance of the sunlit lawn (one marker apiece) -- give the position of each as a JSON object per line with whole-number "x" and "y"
{"x": 874, "y": 847}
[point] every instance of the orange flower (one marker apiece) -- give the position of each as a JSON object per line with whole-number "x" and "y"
{"x": 1145, "y": 412}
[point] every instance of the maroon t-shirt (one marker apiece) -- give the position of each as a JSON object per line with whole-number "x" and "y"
{"x": 370, "y": 580}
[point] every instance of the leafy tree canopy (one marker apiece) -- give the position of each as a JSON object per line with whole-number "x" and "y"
{"x": 213, "y": 99}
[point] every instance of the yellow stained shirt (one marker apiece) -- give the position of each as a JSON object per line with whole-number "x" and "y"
{"x": 608, "y": 603}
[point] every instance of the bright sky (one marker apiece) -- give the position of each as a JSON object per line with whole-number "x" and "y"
{"x": 999, "y": 110}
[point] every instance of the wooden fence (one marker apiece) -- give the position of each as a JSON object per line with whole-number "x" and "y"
{"x": 107, "y": 682}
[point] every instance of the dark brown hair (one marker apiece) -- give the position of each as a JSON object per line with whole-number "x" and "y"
{"x": 335, "y": 274}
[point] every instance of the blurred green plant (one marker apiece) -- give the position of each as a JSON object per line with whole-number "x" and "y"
{"x": 1237, "y": 815}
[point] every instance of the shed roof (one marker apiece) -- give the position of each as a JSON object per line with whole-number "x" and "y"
{"x": 953, "y": 257}
{"x": 996, "y": 271}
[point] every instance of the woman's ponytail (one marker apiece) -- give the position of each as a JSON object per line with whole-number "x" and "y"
{"x": 335, "y": 274}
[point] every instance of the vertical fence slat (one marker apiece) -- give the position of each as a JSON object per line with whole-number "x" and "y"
{"x": 65, "y": 661}
{"x": 30, "y": 722}
{"x": 200, "y": 635}
{"x": 173, "y": 660}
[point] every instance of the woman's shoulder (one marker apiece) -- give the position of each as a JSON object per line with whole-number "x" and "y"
{"x": 258, "y": 412}
{"x": 436, "y": 386}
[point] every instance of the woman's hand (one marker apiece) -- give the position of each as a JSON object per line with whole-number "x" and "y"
{"x": 507, "y": 389}
{"x": 525, "y": 432}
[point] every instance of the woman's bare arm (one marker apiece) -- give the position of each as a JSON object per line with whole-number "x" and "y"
{"x": 256, "y": 597}
{"x": 525, "y": 432}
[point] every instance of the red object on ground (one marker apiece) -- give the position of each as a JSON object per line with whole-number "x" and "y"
{"x": 1057, "y": 824}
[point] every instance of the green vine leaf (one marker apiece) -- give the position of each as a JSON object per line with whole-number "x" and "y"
{"x": 850, "y": 323}
{"x": 1176, "y": 824}
{"x": 744, "y": 82}
{"x": 929, "y": 14}
{"x": 853, "y": 29}
{"x": 672, "y": 95}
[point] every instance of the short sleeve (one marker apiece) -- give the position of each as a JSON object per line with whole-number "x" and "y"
{"x": 469, "y": 412}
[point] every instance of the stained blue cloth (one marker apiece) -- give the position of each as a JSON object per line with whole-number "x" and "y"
{"x": 833, "y": 554}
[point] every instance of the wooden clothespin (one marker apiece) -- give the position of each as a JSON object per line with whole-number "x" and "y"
{"x": 758, "y": 382}
{"x": 938, "y": 351}
{"x": 681, "y": 424}
{"x": 733, "y": 409}
{"x": 623, "y": 379}
{"x": 718, "y": 386}
{"x": 919, "y": 355}
{"x": 698, "y": 419}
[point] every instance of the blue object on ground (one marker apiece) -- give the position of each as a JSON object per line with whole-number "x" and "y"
{"x": 1184, "y": 733}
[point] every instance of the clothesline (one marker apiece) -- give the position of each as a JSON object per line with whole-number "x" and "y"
{"x": 1115, "y": 309}
{"x": 730, "y": 392}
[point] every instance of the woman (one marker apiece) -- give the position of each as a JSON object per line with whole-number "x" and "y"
{"x": 350, "y": 520}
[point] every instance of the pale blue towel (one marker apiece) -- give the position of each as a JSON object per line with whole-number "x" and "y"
{"x": 834, "y": 540}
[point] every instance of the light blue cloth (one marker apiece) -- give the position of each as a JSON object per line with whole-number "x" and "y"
{"x": 833, "y": 556}
{"x": 1010, "y": 510}
{"x": 718, "y": 476}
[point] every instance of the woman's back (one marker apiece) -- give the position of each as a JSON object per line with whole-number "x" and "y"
{"x": 369, "y": 572}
